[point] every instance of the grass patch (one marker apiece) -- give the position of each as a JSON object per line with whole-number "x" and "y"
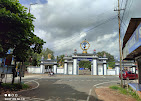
{"x": 126, "y": 92}
{"x": 114, "y": 87}
{"x": 14, "y": 87}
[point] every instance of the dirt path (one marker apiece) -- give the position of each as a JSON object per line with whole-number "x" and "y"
{"x": 107, "y": 94}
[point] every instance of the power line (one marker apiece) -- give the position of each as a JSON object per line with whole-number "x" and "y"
{"x": 124, "y": 11}
{"x": 90, "y": 21}
{"x": 68, "y": 41}
{"x": 121, "y": 3}
{"x": 110, "y": 19}
{"x": 86, "y": 24}
{"x": 78, "y": 35}
{"x": 123, "y": 22}
{"x": 127, "y": 13}
{"x": 129, "y": 10}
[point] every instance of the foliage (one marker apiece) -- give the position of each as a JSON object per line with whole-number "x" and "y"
{"x": 114, "y": 87}
{"x": 111, "y": 64}
{"x": 35, "y": 58}
{"x": 85, "y": 64}
{"x": 14, "y": 87}
{"x": 110, "y": 61}
{"x": 108, "y": 55}
{"x": 34, "y": 62}
{"x": 126, "y": 92}
{"x": 16, "y": 30}
{"x": 45, "y": 53}
{"x": 60, "y": 60}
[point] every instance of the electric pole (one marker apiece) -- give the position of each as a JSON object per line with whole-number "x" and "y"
{"x": 120, "y": 44}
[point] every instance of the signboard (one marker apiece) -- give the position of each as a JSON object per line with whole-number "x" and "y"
{"x": 134, "y": 42}
{"x": 81, "y": 68}
{"x": 84, "y": 59}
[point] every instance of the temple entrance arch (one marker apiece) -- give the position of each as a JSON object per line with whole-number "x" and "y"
{"x": 80, "y": 57}
{"x": 98, "y": 65}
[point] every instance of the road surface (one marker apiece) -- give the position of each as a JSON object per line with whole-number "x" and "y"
{"x": 65, "y": 87}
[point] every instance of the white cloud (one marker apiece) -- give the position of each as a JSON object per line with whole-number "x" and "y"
{"x": 106, "y": 37}
{"x": 60, "y": 24}
{"x": 82, "y": 34}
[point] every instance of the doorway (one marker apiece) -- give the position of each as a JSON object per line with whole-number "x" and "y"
{"x": 84, "y": 67}
{"x": 48, "y": 68}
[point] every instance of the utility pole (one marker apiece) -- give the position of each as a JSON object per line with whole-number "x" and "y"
{"x": 120, "y": 44}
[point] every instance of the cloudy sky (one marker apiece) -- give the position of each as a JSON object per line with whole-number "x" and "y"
{"x": 64, "y": 24}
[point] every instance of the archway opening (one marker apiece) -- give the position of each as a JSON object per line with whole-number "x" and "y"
{"x": 84, "y": 67}
{"x": 48, "y": 68}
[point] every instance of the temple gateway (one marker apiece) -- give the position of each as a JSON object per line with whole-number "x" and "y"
{"x": 71, "y": 63}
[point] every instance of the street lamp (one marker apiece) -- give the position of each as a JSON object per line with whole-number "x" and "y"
{"x": 30, "y": 6}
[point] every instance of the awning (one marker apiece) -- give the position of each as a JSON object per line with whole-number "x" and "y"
{"x": 133, "y": 24}
{"x": 131, "y": 52}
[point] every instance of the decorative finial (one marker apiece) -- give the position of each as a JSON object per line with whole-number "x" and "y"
{"x": 94, "y": 52}
{"x": 75, "y": 51}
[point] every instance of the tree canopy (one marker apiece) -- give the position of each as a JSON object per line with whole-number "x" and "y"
{"x": 85, "y": 64}
{"x": 108, "y": 55}
{"x": 35, "y": 58}
{"x": 16, "y": 30}
{"x": 45, "y": 53}
{"x": 110, "y": 61}
{"x": 60, "y": 60}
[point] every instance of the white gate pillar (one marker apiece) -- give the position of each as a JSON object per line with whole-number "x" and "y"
{"x": 105, "y": 68}
{"x": 65, "y": 68}
{"x": 75, "y": 68}
{"x": 117, "y": 70}
{"x": 94, "y": 67}
{"x": 55, "y": 68}
{"x": 42, "y": 69}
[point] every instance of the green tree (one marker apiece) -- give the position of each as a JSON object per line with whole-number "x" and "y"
{"x": 60, "y": 60}
{"x": 85, "y": 64}
{"x": 16, "y": 31}
{"x": 45, "y": 53}
{"x": 110, "y": 61}
{"x": 111, "y": 64}
{"x": 36, "y": 58}
{"x": 108, "y": 55}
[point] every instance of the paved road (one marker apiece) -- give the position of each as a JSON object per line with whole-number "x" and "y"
{"x": 66, "y": 88}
